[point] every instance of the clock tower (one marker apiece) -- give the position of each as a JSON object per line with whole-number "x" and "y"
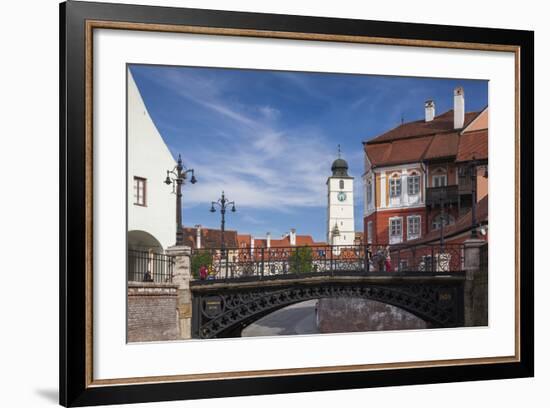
{"x": 340, "y": 220}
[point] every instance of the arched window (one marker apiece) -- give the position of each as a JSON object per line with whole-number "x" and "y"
{"x": 413, "y": 183}
{"x": 447, "y": 219}
{"x": 341, "y": 184}
{"x": 395, "y": 185}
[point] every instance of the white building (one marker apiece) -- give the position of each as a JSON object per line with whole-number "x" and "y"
{"x": 151, "y": 204}
{"x": 340, "y": 220}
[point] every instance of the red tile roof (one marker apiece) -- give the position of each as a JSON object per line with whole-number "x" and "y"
{"x": 440, "y": 124}
{"x": 473, "y": 144}
{"x": 301, "y": 240}
{"x": 210, "y": 238}
{"x": 442, "y": 145}
{"x": 417, "y": 141}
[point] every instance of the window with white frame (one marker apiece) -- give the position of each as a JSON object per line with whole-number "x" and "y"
{"x": 413, "y": 184}
{"x": 140, "y": 189}
{"x": 395, "y": 186}
{"x": 369, "y": 192}
{"x": 369, "y": 232}
{"x": 413, "y": 227}
{"x": 341, "y": 184}
{"x": 396, "y": 230}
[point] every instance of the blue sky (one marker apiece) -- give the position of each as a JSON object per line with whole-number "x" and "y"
{"x": 268, "y": 138}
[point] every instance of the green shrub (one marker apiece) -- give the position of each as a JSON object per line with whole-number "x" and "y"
{"x": 197, "y": 260}
{"x": 301, "y": 260}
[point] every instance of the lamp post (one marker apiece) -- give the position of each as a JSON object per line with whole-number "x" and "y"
{"x": 444, "y": 216}
{"x": 177, "y": 177}
{"x": 223, "y": 203}
{"x": 472, "y": 168}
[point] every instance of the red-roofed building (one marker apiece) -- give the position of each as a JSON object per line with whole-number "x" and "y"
{"x": 251, "y": 247}
{"x": 415, "y": 169}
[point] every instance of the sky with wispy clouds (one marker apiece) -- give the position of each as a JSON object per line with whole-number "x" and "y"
{"x": 268, "y": 138}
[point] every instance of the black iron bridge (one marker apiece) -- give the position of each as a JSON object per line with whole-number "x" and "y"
{"x": 233, "y": 287}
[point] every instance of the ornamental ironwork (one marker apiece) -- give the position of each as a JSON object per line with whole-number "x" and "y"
{"x": 438, "y": 303}
{"x": 249, "y": 264}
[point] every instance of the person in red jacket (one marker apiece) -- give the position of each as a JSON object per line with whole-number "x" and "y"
{"x": 388, "y": 259}
{"x": 203, "y": 272}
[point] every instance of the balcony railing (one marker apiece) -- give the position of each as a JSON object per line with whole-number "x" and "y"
{"x": 438, "y": 195}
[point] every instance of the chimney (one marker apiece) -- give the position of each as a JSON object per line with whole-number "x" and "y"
{"x": 459, "y": 107}
{"x": 429, "y": 108}
{"x": 198, "y": 227}
{"x": 268, "y": 239}
{"x": 293, "y": 237}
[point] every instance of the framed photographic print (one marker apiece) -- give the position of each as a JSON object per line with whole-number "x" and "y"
{"x": 255, "y": 203}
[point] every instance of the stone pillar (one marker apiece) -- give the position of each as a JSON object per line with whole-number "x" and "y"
{"x": 182, "y": 277}
{"x": 476, "y": 284}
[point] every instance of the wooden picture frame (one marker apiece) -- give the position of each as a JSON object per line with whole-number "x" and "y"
{"x": 78, "y": 20}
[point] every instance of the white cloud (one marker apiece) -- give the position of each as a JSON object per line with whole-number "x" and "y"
{"x": 269, "y": 112}
{"x": 258, "y": 164}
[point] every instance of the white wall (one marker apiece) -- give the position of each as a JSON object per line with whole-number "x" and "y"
{"x": 29, "y": 354}
{"x": 149, "y": 158}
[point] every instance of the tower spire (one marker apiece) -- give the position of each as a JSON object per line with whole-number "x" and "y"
{"x": 339, "y": 152}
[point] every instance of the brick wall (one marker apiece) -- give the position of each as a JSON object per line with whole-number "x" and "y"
{"x": 381, "y": 222}
{"x": 152, "y": 312}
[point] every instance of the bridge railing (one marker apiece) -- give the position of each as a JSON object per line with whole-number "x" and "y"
{"x": 296, "y": 261}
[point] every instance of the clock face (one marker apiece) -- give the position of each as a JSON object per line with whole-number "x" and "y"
{"x": 341, "y": 196}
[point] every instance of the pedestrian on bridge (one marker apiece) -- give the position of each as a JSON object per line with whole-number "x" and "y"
{"x": 203, "y": 272}
{"x": 388, "y": 259}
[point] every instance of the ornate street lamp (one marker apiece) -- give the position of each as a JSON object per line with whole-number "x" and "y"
{"x": 177, "y": 177}
{"x": 223, "y": 203}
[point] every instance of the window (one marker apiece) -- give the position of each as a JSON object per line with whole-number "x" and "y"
{"x": 447, "y": 220}
{"x": 413, "y": 184}
{"x": 139, "y": 191}
{"x": 396, "y": 230}
{"x": 439, "y": 179}
{"x": 341, "y": 184}
{"x": 395, "y": 186}
{"x": 369, "y": 232}
{"x": 413, "y": 227}
{"x": 369, "y": 192}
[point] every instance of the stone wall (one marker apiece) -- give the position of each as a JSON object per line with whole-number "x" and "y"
{"x": 476, "y": 287}
{"x": 337, "y": 315}
{"x": 152, "y": 311}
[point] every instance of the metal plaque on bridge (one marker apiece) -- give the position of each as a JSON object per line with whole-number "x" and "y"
{"x": 212, "y": 306}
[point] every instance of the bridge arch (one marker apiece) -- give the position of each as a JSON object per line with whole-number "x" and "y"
{"x": 223, "y": 313}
